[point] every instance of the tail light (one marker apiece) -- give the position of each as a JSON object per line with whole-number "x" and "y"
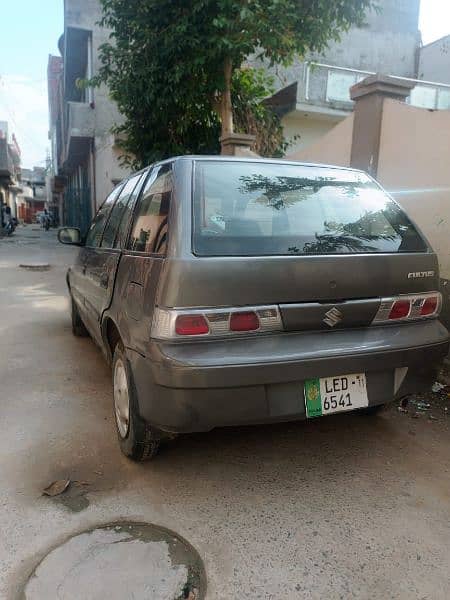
{"x": 400, "y": 310}
{"x": 191, "y": 325}
{"x": 430, "y": 306}
{"x": 244, "y": 321}
{"x": 409, "y": 308}
{"x": 207, "y": 323}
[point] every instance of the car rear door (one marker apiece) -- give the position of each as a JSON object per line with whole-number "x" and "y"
{"x": 78, "y": 278}
{"x": 103, "y": 259}
{"x": 143, "y": 259}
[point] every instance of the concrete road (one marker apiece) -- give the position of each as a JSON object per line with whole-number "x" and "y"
{"x": 343, "y": 507}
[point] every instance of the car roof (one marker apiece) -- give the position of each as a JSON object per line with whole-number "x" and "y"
{"x": 244, "y": 159}
{"x": 281, "y": 161}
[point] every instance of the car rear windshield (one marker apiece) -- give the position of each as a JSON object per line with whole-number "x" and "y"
{"x": 251, "y": 208}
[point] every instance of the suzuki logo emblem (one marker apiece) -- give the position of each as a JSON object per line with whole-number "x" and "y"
{"x": 333, "y": 317}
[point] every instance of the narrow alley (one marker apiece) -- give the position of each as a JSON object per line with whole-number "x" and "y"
{"x": 351, "y": 506}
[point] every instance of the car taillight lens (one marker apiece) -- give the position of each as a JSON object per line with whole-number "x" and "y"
{"x": 409, "y": 307}
{"x": 191, "y": 325}
{"x": 173, "y": 324}
{"x": 244, "y": 321}
{"x": 430, "y": 306}
{"x": 400, "y": 309}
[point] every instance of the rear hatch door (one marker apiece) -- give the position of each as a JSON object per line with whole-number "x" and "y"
{"x": 325, "y": 244}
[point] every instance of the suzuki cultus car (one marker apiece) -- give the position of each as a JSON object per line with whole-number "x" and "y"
{"x": 231, "y": 291}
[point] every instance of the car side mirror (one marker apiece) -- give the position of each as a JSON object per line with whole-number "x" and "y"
{"x": 70, "y": 235}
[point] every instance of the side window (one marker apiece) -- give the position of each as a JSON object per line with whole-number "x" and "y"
{"x": 117, "y": 213}
{"x": 149, "y": 233}
{"x": 121, "y": 236}
{"x": 94, "y": 235}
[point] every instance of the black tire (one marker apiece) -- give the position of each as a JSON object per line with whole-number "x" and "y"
{"x": 78, "y": 327}
{"x": 139, "y": 441}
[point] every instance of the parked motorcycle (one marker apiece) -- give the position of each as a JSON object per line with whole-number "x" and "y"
{"x": 11, "y": 226}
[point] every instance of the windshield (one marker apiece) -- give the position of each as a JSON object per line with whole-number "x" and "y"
{"x": 251, "y": 208}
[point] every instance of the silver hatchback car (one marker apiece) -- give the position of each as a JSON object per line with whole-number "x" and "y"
{"x": 231, "y": 291}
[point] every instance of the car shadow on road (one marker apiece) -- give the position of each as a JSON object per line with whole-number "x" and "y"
{"x": 287, "y": 454}
{"x": 331, "y": 437}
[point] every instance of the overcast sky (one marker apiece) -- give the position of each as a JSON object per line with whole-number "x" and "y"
{"x": 29, "y": 33}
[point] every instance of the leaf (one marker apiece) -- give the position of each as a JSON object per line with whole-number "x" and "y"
{"x": 56, "y": 488}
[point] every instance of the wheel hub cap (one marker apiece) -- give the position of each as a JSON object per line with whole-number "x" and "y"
{"x": 121, "y": 398}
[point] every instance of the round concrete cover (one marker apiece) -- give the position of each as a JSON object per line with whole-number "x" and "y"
{"x": 35, "y": 266}
{"x": 117, "y": 562}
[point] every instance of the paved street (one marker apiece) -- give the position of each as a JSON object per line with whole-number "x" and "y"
{"x": 343, "y": 507}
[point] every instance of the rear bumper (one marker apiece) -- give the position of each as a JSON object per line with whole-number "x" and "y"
{"x": 198, "y": 386}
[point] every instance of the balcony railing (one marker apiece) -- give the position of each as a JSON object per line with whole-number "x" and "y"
{"x": 79, "y": 120}
{"x": 330, "y": 85}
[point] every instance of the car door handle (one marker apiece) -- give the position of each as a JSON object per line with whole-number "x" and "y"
{"x": 104, "y": 279}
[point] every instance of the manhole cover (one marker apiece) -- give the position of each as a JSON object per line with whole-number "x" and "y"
{"x": 35, "y": 266}
{"x": 120, "y": 561}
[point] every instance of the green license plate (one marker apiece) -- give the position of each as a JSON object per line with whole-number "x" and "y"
{"x": 329, "y": 395}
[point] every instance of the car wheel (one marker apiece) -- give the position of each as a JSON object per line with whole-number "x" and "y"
{"x": 138, "y": 440}
{"x": 78, "y": 327}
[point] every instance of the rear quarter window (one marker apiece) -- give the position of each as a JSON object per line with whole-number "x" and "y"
{"x": 255, "y": 208}
{"x": 151, "y": 221}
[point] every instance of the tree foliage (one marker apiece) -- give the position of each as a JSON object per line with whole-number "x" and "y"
{"x": 249, "y": 89}
{"x": 171, "y": 65}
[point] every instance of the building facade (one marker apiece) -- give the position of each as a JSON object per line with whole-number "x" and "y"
{"x": 434, "y": 61}
{"x": 32, "y": 198}
{"x": 313, "y": 94}
{"x": 10, "y": 172}
{"x": 85, "y": 162}
{"x": 55, "y": 182}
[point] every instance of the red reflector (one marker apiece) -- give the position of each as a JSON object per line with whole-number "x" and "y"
{"x": 191, "y": 325}
{"x": 429, "y": 306}
{"x": 400, "y": 309}
{"x": 244, "y": 321}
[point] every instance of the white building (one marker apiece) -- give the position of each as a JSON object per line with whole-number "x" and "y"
{"x": 434, "y": 61}
{"x": 9, "y": 168}
{"x": 314, "y": 95}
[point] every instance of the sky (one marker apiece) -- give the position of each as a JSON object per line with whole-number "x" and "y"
{"x": 32, "y": 32}
{"x": 29, "y": 33}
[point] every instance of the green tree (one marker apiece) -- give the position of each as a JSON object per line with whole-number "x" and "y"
{"x": 171, "y": 65}
{"x": 250, "y": 88}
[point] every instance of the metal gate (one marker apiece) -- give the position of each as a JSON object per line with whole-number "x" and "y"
{"x": 77, "y": 208}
